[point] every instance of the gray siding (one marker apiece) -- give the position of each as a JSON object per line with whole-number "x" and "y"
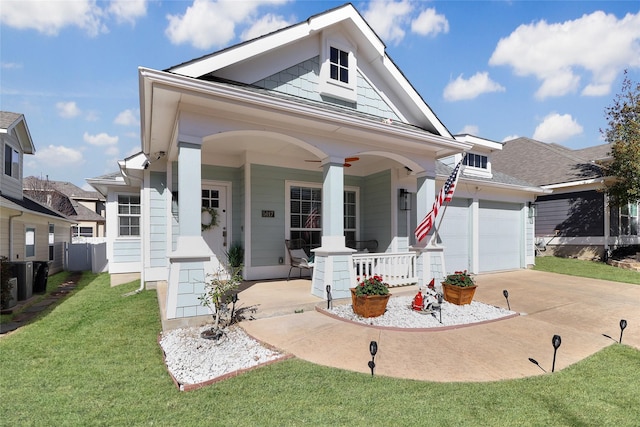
{"x": 375, "y": 209}
{"x": 303, "y": 80}
{"x": 126, "y": 250}
{"x": 578, "y": 214}
{"x": 268, "y": 193}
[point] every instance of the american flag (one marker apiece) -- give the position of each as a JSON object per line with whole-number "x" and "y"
{"x": 313, "y": 219}
{"x": 444, "y": 196}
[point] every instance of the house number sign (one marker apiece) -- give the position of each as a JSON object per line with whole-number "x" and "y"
{"x": 268, "y": 214}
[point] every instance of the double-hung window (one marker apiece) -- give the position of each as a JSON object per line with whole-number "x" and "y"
{"x": 52, "y": 241}
{"x": 629, "y": 219}
{"x": 305, "y": 210}
{"x": 128, "y": 215}
{"x": 30, "y": 242}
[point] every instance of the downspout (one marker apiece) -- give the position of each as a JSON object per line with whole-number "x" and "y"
{"x": 11, "y": 234}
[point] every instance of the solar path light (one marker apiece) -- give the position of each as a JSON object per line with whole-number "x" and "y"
{"x": 373, "y": 349}
{"x": 623, "y": 324}
{"x": 329, "y": 297}
{"x": 506, "y": 296}
{"x": 556, "y": 341}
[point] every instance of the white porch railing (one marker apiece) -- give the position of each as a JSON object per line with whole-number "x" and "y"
{"x": 396, "y": 269}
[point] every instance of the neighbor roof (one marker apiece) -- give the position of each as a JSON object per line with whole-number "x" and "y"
{"x": 541, "y": 163}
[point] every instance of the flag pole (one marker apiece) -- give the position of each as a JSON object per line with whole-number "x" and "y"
{"x": 435, "y": 229}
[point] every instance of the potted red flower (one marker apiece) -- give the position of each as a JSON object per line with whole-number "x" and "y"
{"x": 369, "y": 298}
{"x": 459, "y": 288}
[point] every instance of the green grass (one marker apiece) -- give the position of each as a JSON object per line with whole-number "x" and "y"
{"x": 582, "y": 268}
{"x": 95, "y": 360}
{"x": 53, "y": 282}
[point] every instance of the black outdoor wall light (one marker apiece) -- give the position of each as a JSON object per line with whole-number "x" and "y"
{"x": 404, "y": 200}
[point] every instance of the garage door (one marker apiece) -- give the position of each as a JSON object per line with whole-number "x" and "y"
{"x": 500, "y": 235}
{"x": 455, "y": 233}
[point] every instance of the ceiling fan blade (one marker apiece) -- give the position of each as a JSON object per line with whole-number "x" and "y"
{"x": 351, "y": 159}
{"x": 347, "y": 165}
{"x": 315, "y": 161}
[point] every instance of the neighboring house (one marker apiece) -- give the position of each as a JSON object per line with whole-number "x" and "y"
{"x": 85, "y": 208}
{"x": 575, "y": 219}
{"x": 29, "y": 231}
{"x": 309, "y": 132}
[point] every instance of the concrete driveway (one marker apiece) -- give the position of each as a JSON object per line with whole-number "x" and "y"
{"x": 579, "y": 310}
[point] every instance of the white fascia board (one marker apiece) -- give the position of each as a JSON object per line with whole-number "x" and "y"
{"x": 184, "y": 84}
{"x": 415, "y": 96}
{"x": 534, "y": 190}
{"x": 574, "y": 183}
{"x": 479, "y": 142}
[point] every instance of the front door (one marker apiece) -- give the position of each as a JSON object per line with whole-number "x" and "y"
{"x": 215, "y": 197}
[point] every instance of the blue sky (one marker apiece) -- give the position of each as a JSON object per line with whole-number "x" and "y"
{"x": 495, "y": 69}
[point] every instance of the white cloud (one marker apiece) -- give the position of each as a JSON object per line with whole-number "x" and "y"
{"x": 510, "y": 137}
{"x": 557, "y": 128}
{"x": 387, "y": 19}
{"x": 208, "y": 23}
{"x": 430, "y": 23}
{"x": 469, "y": 130}
{"x": 556, "y": 53}
{"x": 100, "y": 139}
{"x": 49, "y": 17}
{"x": 265, "y": 25}
{"x": 475, "y": 86}
{"x": 67, "y": 110}
{"x": 58, "y": 157}
{"x": 128, "y": 10}
{"x": 126, "y": 118}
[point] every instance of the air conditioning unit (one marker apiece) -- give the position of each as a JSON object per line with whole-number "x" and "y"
{"x": 23, "y": 271}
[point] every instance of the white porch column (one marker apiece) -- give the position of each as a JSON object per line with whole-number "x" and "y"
{"x": 429, "y": 257}
{"x": 192, "y": 259}
{"x": 333, "y": 262}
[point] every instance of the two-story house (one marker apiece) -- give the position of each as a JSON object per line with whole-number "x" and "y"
{"x": 29, "y": 231}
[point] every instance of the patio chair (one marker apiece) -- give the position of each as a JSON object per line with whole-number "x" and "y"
{"x": 298, "y": 258}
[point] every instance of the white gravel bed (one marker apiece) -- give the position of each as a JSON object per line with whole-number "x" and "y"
{"x": 194, "y": 360}
{"x": 399, "y": 314}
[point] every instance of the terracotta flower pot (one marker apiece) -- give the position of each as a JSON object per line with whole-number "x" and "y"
{"x": 459, "y": 295}
{"x": 369, "y": 305}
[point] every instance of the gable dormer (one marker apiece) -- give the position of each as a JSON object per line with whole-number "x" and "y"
{"x": 338, "y": 68}
{"x": 477, "y": 162}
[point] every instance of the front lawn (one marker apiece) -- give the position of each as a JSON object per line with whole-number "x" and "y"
{"x": 582, "y": 268}
{"x": 95, "y": 360}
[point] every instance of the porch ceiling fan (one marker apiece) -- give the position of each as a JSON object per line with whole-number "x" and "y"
{"x": 346, "y": 164}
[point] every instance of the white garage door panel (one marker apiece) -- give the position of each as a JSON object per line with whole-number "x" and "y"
{"x": 455, "y": 233}
{"x": 500, "y": 236}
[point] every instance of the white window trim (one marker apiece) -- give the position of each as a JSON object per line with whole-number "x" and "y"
{"x": 476, "y": 171}
{"x": 336, "y": 88}
{"x": 117, "y": 203}
{"x": 287, "y": 210}
{"x": 35, "y": 240}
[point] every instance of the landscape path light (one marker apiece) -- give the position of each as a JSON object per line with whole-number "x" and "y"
{"x": 623, "y": 324}
{"x": 556, "y": 341}
{"x": 373, "y": 349}
{"x": 506, "y": 296}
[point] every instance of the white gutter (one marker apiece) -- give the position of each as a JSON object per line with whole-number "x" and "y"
{"x": 574, "y": 183}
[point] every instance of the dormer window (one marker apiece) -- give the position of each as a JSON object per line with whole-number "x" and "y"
{"x": 339, "y": 64}
{"x": 476, "y": 161}
{"x": 11, "y": 162}
{"x": 338, "y": 69}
